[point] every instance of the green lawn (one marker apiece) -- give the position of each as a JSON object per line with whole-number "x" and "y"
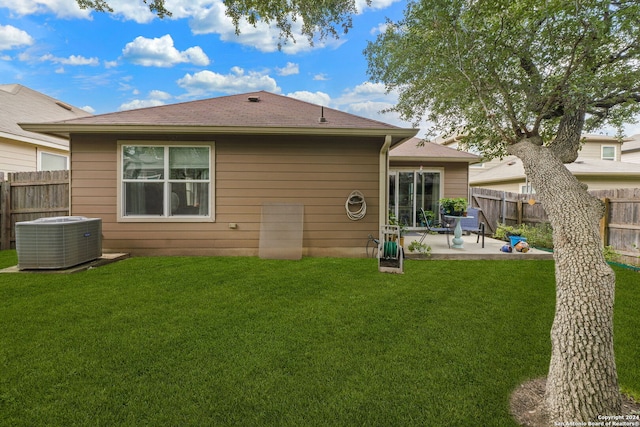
{"x": 250, "y": 342}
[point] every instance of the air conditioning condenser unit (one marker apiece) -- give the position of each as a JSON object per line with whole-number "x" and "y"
{"x": 58, "y": 242}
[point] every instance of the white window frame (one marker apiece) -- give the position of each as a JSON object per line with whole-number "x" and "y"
{"x": 527, "y": 188}
{"x": 121, "y": 217}
{"x": 396, "y": 171}
{"x": 51, "y": 153}
{"x": 615, "y": 152}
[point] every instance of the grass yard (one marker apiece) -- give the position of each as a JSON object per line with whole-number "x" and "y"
{"x": 250, "y": 342}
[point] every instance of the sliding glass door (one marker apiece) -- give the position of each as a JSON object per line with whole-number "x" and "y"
{"x": 413, "y": 190}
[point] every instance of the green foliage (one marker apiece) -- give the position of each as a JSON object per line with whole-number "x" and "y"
{"x": 451, "y": 205}
{"x": 393, "y": 220}
{"x": 327, "y": 18}
{"x": 155, "y": 6}
{"x": 421, "y": 248}
{"x": 539, "y": 235}
{"x": 610, "y": 254}
{"x": 320, "y": 341}
{"x": 429, "y": 217}
{"x": 500, "y": 70}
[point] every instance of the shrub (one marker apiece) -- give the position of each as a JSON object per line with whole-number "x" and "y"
{"x": 540, "y": 235}
{"x": 420, "y": 248}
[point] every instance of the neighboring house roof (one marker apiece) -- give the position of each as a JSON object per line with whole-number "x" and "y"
{"x": 632, "y": 144}
{"x": 512, "y": 170}
{"x": 21, "y": 104}
{"x": 250, "y": 113}
{"x": 419, "y": 149}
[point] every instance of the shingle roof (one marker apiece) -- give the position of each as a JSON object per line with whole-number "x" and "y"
{"x": 249, "y": 113}
{"x": 632, "y": 144}
{"x": 267, "y": 110}
{"x": 21, "y": 104}
{"x": 512, "y": 169}
{"x": 414, "y": 150}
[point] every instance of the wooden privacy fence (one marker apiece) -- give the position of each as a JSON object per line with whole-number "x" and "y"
{"x": 620, "y": 227}
{"x": 26, "y": 196}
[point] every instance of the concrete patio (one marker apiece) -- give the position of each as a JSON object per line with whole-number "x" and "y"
{"x": 470, "y": 250}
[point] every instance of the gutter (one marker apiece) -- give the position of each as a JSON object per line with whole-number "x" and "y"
{"x": 65, "y": 130}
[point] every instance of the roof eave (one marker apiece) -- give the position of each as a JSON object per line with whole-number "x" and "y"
{"x": 65, "y": 130}
{"x": 434, "y": 159}
{"x": 36, "y": 141}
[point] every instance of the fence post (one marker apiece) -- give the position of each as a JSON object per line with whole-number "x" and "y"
{"x": 520, "y": 211}
{"x": 5, "y": 204}
{"x": 604, "y": 222}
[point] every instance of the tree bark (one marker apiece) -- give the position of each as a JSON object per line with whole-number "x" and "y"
{"x": 582, "y": 382}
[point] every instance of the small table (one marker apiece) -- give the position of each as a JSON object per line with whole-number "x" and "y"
{"x": 457, "y": 232}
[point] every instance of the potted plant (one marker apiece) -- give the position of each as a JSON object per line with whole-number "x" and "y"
{"x": 460, "y": 206}
{"x": 393, "y": 220}
{"x": 453, "y": 206}
{"x": 428, "y": 218}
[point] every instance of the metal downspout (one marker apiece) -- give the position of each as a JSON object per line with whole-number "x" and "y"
{"x": 384, "y": 180}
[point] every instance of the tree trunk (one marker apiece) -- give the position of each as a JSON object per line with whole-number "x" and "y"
{"x": 582, "y": 382}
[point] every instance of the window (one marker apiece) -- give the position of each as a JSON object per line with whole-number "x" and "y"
{"x": 527, "y": 189}
{"x": 165, "y": 182}
{"x": 608, "y": 152}
{"x": 411, "y": 191}
{"x": 52, "y": 162}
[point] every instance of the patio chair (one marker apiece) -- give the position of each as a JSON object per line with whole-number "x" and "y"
{"x": 434, "y": 228}
{"x": 472, "y": 224}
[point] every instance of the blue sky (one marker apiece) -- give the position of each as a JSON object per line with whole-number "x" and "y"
{"x": 132, "y": 59}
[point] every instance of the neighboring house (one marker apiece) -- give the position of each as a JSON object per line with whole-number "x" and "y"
{"x": 25, "y": 151}
{"x": 422, "y": 173}
{"x": 598, "y": 165}
{"x": 631, "y": 149}
{"x": 193, "y": 178}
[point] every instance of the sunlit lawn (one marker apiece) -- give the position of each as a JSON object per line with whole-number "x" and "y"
{"x": 250, "y": 342}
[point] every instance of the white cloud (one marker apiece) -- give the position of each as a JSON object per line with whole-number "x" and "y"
{"x": 288, "y": 70}
{"x": 160, "y": 52}
{"x": 132, "y": 10}
{"x": 155, "y": 99}
{"x": 89, "y": 109}
{"x": 140, "y": 103}
{"x": 210, "y": 18}
{"x": 361, "y": 5}
{"x": 369, "y": 100}
{"x": 379, "y": 29}
{"x": 320, "y": 77}
{"x": 110, "y": 64}
{"x": 237, "y": 81}
{"x": 367, "y": 91}
{"x": 61, "y": 8}
{"x": 160, "y": 95}
{"x": 319, "y": 98}
{"x": 12, "y": 37}
{"x": 71, "y": 60}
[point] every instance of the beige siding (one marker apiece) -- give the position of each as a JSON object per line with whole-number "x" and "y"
{"x": 593, "y": 183}
{"x": 455, "y": 176}
{"x": 633, "y": 157}
{"x": 512, "y": 187}
{"x": 249, "y": 172}
{"x": 17, "y": 157}
{"x": 456, "y": 180}
{"x": 593, "y": 149}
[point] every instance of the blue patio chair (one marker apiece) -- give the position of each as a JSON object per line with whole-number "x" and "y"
{"x": 434, "y": 228}
{"x": 472, "y": 224}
